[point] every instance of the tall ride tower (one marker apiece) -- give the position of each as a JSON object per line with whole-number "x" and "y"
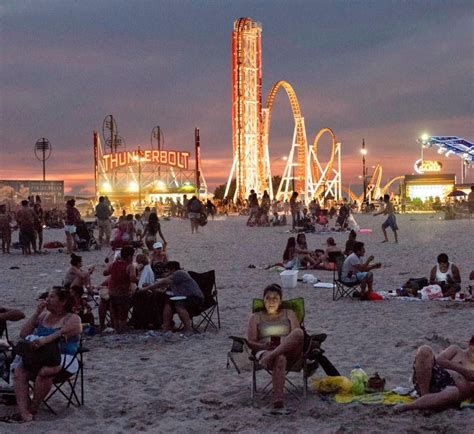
{"x": 251, "y": 164}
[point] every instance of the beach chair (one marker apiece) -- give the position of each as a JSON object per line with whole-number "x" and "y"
{"x": 210, "y": 307}
{"x": 7, "y": 394}
{"x": 341, "y": 289}
{"x": 66, "y": 384}
{"x": 311, "y": 356}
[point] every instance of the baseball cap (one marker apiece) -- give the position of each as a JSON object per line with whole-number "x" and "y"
{"x": 158, "y": 245}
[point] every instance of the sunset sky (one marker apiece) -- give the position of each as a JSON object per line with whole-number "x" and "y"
{"x": 385, "y": 71}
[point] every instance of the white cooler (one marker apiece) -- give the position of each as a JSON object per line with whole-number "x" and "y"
{"x": 289, "y": 279}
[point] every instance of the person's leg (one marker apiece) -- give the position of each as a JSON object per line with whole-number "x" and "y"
{"x": 167, "y": 316}
{"x": 22, "y": 393}
{"x": 384, "y": 234}
{"x": 103, "y": 308}
{"x": 395, "y": 235}
{"x": 68, "y": 243}
{"x": 108, "y": 232}
{"x": 184, "y": 317}
{"x": 40, "y": 240}
{"x": 290, "y": 346}
{"x": 424, "y": 362}
{"x": 100, "y": 223}
{"x": 448, "y": 397}
{"x": 278, "y": 380}
{"x": 43, "y": 383}
{"x": 114, "y": 314}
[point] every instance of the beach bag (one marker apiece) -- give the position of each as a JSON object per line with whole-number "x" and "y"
{"x": 202, "y": 220}
{"x": 431, "y": 292}
{"x": 416, "y": 283}
{"x": 195, "y": 206}
{"x": 34, "y": 359}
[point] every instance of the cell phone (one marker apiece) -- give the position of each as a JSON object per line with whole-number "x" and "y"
{"x": 275, "y": 340}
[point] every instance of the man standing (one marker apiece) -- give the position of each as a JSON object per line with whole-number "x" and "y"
{"x": 194, "y": 209}
{"x": 72, "y": 218}
{"x": 26, "y": 221}
{"x": 295, "y": 212}
{"x": 356, "y": 271}
{"x": 391, "y": 221}
{"x": 103, "y": 213}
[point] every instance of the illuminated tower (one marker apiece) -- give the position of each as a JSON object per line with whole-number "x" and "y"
{"x": 251, "y": 165}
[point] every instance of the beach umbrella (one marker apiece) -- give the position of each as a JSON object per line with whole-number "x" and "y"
{"x": 457, "y": 193}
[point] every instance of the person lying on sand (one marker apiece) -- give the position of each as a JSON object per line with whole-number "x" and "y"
{"x": 276, "y": 338}
{"x": 442, "y": 381}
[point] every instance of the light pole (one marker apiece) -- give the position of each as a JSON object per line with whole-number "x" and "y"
{"x": 138, "y": 159}
{"x": 363, "y": 151}
{"x": 44, "y": 146}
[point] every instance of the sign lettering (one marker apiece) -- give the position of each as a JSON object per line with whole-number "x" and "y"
{"x": 423, "y": 166}
{"x": 126, "y": 158}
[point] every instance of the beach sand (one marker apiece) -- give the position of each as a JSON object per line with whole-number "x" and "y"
{"x": 138, "y": 383}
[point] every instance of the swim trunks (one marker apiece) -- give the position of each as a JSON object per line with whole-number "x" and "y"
{"x": 440, "y": 379}
{"x": 391, "y": 221}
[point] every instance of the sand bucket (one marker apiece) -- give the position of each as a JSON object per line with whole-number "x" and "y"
{"x": 289, "y": 279}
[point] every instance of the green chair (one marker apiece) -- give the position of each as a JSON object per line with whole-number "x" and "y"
{"x": 304, "y": 366}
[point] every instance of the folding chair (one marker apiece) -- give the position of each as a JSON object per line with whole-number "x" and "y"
{"x": 66, "y": 383}
{"x": 6, "y": 357}
{"x": 311, "y": 356}
{"x": 207, "y": 283}
{"x": 340, "y": 288}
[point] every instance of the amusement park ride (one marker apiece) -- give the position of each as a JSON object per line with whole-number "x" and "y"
{"x": 304, "y": 172}
{"x": 144, "y": 175}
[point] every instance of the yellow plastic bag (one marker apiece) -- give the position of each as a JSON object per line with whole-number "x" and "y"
{"x": 338, "y": 384}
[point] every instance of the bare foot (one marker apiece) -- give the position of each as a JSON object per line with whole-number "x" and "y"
{"x": 385, "y": 241}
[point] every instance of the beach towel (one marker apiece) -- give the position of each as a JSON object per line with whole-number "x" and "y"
{"x": 383, "y": 398}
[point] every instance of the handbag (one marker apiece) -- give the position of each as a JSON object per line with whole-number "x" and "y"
{"x": 34, "y": 359}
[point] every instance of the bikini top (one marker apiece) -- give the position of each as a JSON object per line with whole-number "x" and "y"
{"x": 67, "y": 347}
{"x": 280, "y": 327}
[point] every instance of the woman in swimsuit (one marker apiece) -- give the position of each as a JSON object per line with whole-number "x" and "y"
{"x": 276, "y": 338}
{"x": 52, "y": 320}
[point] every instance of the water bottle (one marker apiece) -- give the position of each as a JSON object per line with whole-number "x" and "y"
{"x": 359, "y": 379}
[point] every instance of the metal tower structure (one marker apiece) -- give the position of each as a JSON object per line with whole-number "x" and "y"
{"x": 303, "y": 173}
{"x": 251, "y": 164}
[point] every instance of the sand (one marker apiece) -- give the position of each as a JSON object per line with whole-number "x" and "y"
{"x": 138, "y": 383}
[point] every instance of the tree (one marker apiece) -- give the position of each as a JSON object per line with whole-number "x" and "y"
{"x": 220, "y": 190}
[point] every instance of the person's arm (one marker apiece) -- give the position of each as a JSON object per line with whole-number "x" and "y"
{"x": 383, "y": 211}
{"x": 433, "y": 276}
{"x": 456, "y": 274}
{"x": 161, "y": 235}
{"x": 160, "y": 284}
{"x": 252, "y": 336}
{"x": 72, "y": 327}
{"x": 445, "y": 360}
{"x": 30, "y": 325}
{"x": 11, "y": 314}
{"x": 107, "y": 270}
{"x": 132, "y": 273}
{"x": 294, "y": 323}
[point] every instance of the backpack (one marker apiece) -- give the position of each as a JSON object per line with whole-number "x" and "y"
{"x": 195, "y": 206}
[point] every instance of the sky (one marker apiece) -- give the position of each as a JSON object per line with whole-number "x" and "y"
{"x": 385, "y": 71}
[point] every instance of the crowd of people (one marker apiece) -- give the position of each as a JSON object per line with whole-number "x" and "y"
{"x": 141, "y": 277}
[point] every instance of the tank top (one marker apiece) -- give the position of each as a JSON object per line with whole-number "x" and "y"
{"x": 67, "y": 347}
{"x": 443, "y": 276}
{"x": 119, "y": 283}
{"x": 280, "y": 327}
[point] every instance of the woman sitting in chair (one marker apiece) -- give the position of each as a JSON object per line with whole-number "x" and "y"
{"x": 52, "y": 320}
{"x": 276, "y": 338}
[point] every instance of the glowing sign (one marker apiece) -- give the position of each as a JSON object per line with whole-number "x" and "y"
{"x": 168, "y": 158}
{"x": 423, "y": 166}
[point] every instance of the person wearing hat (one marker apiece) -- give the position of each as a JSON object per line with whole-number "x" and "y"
{"x": 180, "y": 284}
{"x": 158, "y": 259}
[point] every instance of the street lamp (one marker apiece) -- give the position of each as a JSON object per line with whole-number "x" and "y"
{"x": 363, "y": 151}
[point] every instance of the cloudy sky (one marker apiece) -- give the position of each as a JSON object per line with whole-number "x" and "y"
{"x": 381, "y": 70}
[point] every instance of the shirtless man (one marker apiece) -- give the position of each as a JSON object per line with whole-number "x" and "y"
{"x": 442, "y": 381}
{"x": 391, "y": 221}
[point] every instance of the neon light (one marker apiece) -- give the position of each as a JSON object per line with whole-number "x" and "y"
{"x": 127, "y": 158}
{"x": 423, "y": 166}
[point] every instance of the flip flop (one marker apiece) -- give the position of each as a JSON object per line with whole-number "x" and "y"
{"x": 12, "y": 418}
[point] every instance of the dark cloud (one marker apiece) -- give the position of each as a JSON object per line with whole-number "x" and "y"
{"x": 382, "y": 70}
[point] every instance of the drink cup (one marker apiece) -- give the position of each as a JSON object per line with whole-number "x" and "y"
{"x": 461, "y": 296}
{"x": 275, "y": 340}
